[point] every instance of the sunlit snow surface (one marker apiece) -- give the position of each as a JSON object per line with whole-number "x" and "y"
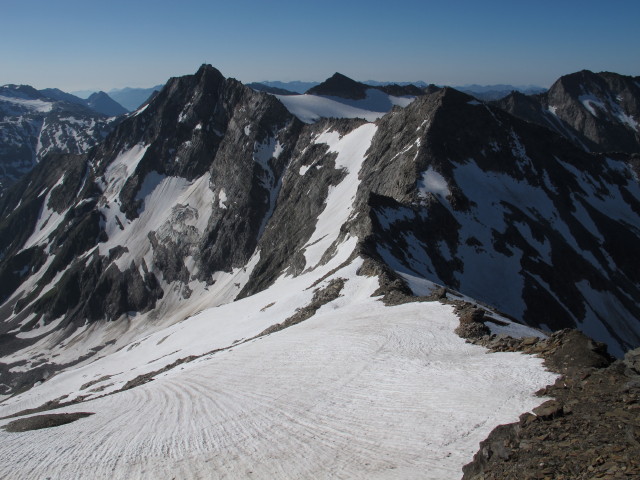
{"x": 359, "y": 390}
{"x": 310, "y": 108}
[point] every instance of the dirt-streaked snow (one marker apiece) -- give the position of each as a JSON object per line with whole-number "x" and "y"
{"x": 359, "y": 390}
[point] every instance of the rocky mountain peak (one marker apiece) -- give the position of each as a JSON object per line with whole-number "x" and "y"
{"x": 596, "y": 111}
{"x": 339, "y": 85}
{"x": 101, "y": 102}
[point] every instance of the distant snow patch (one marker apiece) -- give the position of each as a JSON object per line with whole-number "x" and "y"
{"x": 304, "y": 169}
{"x": 35, "y": 105}
{"x": 627, "y": 119}
{"x": 310, "y": 108}
{"x": 140, "y": 110}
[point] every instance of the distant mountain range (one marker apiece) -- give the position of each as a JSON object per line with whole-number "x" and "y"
{"x": 35, "y": 123}
{"x": 496, "y": 92}
{"x": 482, "y": 92}
{"x": 98, "y": 101}
{"x": 133, "y": 98}
{"x": 130, "y": 98}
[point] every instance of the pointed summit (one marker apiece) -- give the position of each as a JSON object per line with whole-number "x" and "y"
{"x": 103, "y": 103}
{"x": 342, "y": 86}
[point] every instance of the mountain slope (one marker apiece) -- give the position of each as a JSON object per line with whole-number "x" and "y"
{"x": 503, "y": 212}
{"x": 33, "y": 124}
{"x": 359, "y": 388}
{"x": 214, "y": 190}
{"x": 219, "y": 257}
{"x": 597, "y": 111}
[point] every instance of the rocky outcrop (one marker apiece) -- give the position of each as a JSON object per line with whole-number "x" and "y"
{"x": 596, "y": 111}
{"x": 589, "y": 429}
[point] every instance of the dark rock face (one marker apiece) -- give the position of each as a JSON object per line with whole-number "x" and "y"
{"x": 596, "y": 111}
{"x": 38, "y": 422}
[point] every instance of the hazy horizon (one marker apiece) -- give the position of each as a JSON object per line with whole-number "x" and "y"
{"x": 73, "y": 45}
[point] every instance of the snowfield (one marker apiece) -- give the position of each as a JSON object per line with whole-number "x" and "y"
{"x": 310, "y": 108}
{"x": 359, "y": 390}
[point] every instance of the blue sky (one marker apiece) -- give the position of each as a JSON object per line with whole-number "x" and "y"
{"x": 76, "y": 45}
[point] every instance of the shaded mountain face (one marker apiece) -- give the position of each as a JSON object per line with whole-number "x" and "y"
{"x": 599, "y": 112}
{"x": 505, "y": 213}
{"x": 103, "y": 103}
{"x": 34, "y": 123}
{"x": 213, "y": 191}
{"x": 339, "y": 85}
{"x": 57, "y": 94}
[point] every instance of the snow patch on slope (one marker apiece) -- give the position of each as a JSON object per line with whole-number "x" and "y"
{"x": 351, "y": 150}
{"x": 31, "y": 104}
{"x": 48, "y": 220}
{"x": 169, "y": 195}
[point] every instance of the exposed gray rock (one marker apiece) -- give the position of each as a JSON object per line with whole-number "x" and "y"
{"x": 593, "y": 110}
